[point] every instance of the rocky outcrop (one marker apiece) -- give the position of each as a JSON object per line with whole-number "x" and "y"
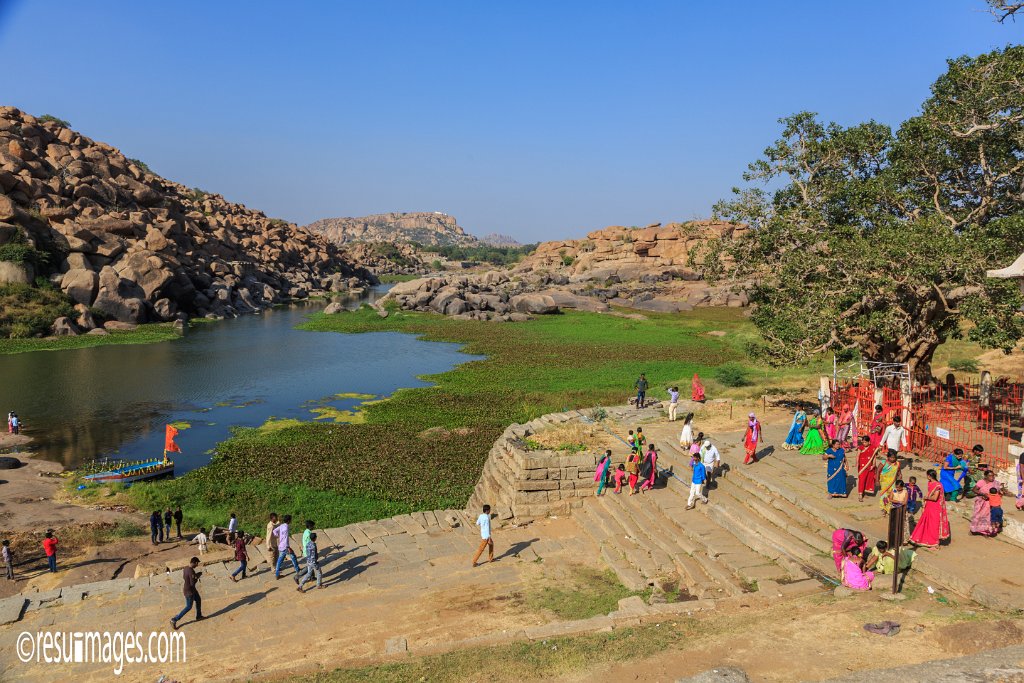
{"x": 498, "y": 240}
{"x": 427, "y": 228}
{"x": 136, "y": 247}
{"x": 656, "y": 269}
{"x": 389, "y": 258}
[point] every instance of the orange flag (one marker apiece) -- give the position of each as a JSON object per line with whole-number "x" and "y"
{"x": 169, "y": 444}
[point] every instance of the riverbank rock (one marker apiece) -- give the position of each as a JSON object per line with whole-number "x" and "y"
{"x": 136, "y": 247}
{"x": 63, "y": 327}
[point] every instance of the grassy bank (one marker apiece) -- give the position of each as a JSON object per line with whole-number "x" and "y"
{"x": 390, "y": 463}
{"x": 144, "y": 334}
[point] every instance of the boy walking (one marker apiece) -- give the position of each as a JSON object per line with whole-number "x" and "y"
{"x": 50, "y": 548}
{"x": 284, "y": 548}
{"x": 312, "y": 563}
{"x": 156, "y": 529}
{"x": 201, "y": 540}
{"x": 8, "y": 559}
{"x": 697, "y": 483}
{"x": 178, "y": 516}
{"x": 168, "y": 517}
{"x": 673, "y": 403}
{"x": 232, "y": 528}
{"x": 484, "y": 522}
{"x": 310, "y": 525}
{"x": 191, "y": 591}
{"x": 241, "y": 556}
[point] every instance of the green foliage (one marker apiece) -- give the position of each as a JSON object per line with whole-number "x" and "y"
{"x": 19, "y": 340}
{"x": 391, "y": 252}
{"x": 393, "y": 278}
{"x": 879, "y": 242}
{"x": 567, "y": 260}
{"x": 141, "y": 164}
{"x": 964, "y": 365}
{"x": 436, "y": 264}
{"x": 278, "y": 222}
{"x": 590, "y": 592}
{"x": 46, "y": 118}
{"x": 18, "y": 252}
{"x": 732, "y": 375}
{"x": 26, "y": 311}
{"x": 499, "y": 256}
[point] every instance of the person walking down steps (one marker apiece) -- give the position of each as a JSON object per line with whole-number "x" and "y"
{"x": 697, "y": 481}
{"x": 484, "y": 522}
{"x": 191, "y": 591}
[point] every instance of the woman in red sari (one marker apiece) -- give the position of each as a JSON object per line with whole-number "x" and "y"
{"x": 698, "y": 389}
{"x": 751, "y": 439}
{"x": 933, "y": 527}
{"x": 866, "y": 467}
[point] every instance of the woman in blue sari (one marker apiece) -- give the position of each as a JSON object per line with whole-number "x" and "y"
{"x": 835, "y": 457}
{"x": 795, "y": 438}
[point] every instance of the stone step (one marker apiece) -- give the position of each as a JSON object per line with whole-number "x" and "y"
{"x": 642, "y": 558}
{"x": 610, "y": 551}
{"x": 627, "y": 540}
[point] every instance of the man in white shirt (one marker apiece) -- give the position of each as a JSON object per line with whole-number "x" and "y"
{"x": 484, "y": 522}
{"x": 895, "y": 436}
{"x": 711, "y": 458}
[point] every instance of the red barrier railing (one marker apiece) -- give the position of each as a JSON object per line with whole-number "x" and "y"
{"x": 943, "y": 417}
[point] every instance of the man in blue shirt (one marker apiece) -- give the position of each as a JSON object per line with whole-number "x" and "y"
{"x": 700, "y": 476}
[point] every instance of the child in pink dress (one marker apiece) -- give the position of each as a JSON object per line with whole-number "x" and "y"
{"x": 618, "y": 476}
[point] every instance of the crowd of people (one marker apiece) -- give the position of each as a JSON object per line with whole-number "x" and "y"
{"x": 880, "y": 472}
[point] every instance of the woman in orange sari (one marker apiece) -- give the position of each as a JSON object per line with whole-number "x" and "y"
{"x": 866, "y": 467}
{"x": 698, "y": 389}
{"x": 933, "y": 527}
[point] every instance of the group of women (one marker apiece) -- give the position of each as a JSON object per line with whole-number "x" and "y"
{"x": 857, "y": 566}
{"x": 640, "y": 471}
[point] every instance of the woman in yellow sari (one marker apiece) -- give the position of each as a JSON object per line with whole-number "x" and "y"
{"x": 888, "y": 473}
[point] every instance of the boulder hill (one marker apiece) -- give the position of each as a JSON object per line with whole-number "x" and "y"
{"x": 128, "y": 245}
{"x": 431, "y": 229}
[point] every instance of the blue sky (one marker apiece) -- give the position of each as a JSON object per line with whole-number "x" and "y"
{"x": 537, "y": 119}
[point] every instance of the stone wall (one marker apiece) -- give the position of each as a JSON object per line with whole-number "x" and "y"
{"x": 522, "y": 484}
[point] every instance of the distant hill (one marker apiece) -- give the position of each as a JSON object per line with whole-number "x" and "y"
{"x": 499, "y": 240}
{"x": 433, "y": 229}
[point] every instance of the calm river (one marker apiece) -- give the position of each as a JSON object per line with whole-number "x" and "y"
{"x": 113, "y": 401}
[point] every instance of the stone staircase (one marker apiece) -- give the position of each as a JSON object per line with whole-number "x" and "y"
{"x": 723, "y": 549}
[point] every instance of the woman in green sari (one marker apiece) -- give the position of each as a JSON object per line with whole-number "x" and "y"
{"x": 814, "y": 443}
{"x": 888, "y": 473}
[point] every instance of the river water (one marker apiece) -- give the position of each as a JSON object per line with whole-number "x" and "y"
{"x": 113, "y": 401}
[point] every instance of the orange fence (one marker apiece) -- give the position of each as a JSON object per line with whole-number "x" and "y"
{"x": 943, "y": 417}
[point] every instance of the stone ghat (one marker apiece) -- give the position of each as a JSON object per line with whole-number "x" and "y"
{"x": 523, "y": 484}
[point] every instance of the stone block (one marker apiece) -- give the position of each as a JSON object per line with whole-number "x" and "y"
{"x": 396, "y": 645}
{"x": 537, "y": 485}
{"x": 11, "y": 609}
{"x": 566, "y": 485}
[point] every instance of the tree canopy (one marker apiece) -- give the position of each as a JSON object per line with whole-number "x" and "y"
{"x": 873, "y": 241}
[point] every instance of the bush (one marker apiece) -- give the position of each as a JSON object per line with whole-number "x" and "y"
{"x": 141, "y": 164}
{"x": 964, "y": 365}
{"x": 26, "y": 311}
{"x": 567, "y": 260}
{"x": 435, "y": 264}
{"x": 18, "y": 252}
{"x": 732, "y": 375}
{"x": 46, "y": 118}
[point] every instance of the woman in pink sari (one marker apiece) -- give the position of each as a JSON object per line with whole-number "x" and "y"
{"x": 845, "y": 426}
{"x": 852, "y": 575}
{"x": 830, "y": 423}
{"x": 933, "y": 527}
{"x": 877, "y": 427}
{"x": 843, "y": 541}
{"x": 981, "y": 520}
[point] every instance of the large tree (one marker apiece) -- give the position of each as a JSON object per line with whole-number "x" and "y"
{"x": 874, "y": 241}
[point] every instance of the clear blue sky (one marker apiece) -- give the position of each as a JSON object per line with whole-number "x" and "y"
{"x": 537, "y": 119}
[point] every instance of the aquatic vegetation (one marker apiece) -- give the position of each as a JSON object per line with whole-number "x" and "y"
{"x": 423, "y": 448}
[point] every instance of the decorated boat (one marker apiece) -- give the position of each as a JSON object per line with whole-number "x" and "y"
{"x": 129, "y": 472}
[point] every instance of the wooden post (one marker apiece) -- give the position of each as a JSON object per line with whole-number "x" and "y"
{"x": 897, "y": 522}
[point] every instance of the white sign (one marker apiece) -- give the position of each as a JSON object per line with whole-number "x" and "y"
{"x": 941, "y": 433}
